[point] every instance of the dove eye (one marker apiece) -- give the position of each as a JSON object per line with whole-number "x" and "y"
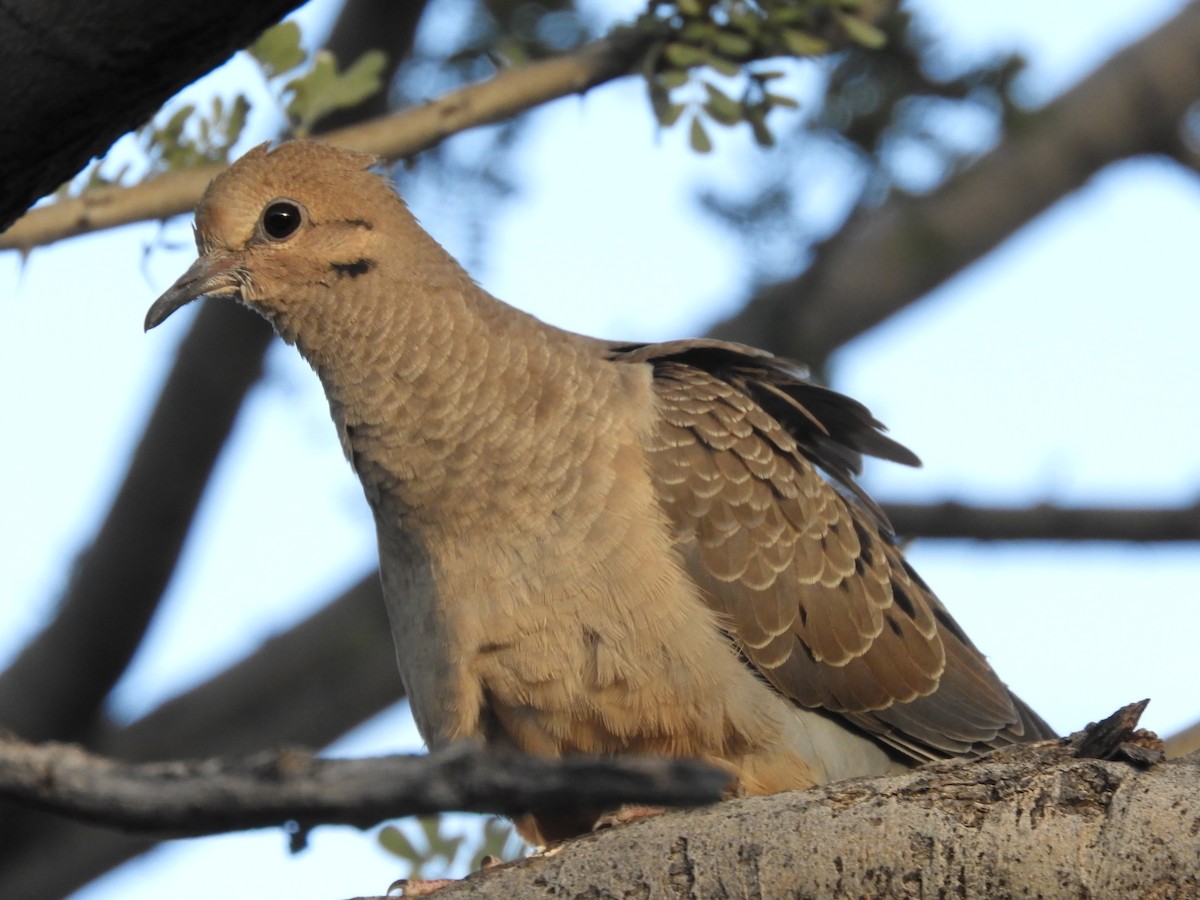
{"x": 281, "y": 219}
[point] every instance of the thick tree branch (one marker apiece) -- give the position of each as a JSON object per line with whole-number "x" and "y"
{"x": 418, "y": 128}
{"x": 190, "y": 798}
{"x": 884, "y": 259}
{"x": 74, "y": 83}
{"x": 1031, "y": 821}
{"x": 1045, "y": 522}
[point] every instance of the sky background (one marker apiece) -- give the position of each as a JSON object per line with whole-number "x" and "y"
{"x": 1061, "y": 368}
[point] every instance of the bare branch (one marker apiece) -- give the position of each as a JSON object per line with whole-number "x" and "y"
{"x": 884, "y": 259}
{"x": 219, "y": 795}
{"x": 1045, "y": 522}
{"x": 510, "y": 92}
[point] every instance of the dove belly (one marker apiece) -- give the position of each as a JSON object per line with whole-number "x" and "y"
{"x": 606, "y": 648}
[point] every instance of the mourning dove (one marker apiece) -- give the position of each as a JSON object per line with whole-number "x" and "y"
{"x": 597, "y": 547}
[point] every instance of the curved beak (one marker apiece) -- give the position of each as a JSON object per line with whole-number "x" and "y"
{"x": 211, "y": 275}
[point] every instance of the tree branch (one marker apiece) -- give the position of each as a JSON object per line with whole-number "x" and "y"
{"x": 887, "y": 258}
{"x": 418, "y": 128}
{"x": 214, "y": 796}
{"x": 1045, "y": 522}
{"x": 1027, "y": 821}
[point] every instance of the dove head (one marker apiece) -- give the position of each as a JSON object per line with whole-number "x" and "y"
{"x": 288, "y": 231}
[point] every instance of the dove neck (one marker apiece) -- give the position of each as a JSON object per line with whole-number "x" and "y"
{"x": 429, "y": 378}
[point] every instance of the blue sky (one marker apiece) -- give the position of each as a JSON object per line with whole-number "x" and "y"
{"x": 1060, "y": 368}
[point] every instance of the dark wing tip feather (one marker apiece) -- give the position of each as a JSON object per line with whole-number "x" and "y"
{"x": 784, "y": 382}
{"x": 833, "y": 430}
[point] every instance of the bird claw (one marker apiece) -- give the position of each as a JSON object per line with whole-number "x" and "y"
{"x": 631, "y": 812}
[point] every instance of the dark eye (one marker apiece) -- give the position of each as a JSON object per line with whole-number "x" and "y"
{"x": 281, "y": 219}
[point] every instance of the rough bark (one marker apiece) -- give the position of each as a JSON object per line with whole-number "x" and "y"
{"x": 1025, "y": 823}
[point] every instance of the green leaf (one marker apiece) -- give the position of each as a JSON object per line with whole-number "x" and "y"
{"x": 747, "y": 23}
{"x": 722, "y": 65}
{"x": 668, "y": 114}
{"x": 172, "y": 129}
{"x": 863, "y": 33}
{"x": 395, "y": 841}
{"x": 323, "y": 89}
{"x": 758, "y": 124}
{"x": 685, "y": 56}
{"x": 498, "y": 835}
{"x": 791, "y": 14}
{"x": 673, "y": 78}
{"x": 278, "y": 49}
{"x": 735, "y": 46}
{"x": 781, "y": 100}
{"x": 721, "y": 106}
{"x": 698, "y": 33}
{"x": 692, "y": 7}
{"x": 700, "y": 140}
{"x": 236, "y": 122}
{"x": 443, "y": 845}
{"x": 802, "y": 43}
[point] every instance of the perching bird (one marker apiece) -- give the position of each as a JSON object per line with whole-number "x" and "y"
{"x": 598, "y": 547}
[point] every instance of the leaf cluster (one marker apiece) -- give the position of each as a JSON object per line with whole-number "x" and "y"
{"x": 186, "y": 137}
{"x": 310, "y": 93}
{"x": 436, "y": 845}
{"x": 726, "y": 38}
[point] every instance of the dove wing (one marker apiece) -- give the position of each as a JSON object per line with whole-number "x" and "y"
{"x": 802, "y": 566}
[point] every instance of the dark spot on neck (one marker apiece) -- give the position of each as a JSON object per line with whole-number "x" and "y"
{"x": 355, "y": 268}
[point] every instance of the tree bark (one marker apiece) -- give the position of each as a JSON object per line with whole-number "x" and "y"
{"x": 1028, "y": 822}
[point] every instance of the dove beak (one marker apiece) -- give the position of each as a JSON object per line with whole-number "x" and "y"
{"x": 211, "y": 275}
